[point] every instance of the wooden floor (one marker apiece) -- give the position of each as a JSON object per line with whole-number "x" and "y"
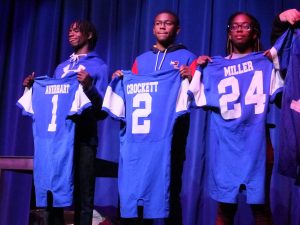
{"x": 36, "y": 217}
{"x": 104, "y": 168}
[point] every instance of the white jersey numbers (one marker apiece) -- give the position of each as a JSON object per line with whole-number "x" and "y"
{"x": 254, "y": 95}
{"x": 231, "y": 97}
{"x": 52, "y": 125}
{"x": 139, "y": 113}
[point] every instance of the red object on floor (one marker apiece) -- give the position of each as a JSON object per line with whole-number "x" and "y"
{"x": 106, "y": 222}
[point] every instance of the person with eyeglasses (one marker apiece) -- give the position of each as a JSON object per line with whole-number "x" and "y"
{"x": 237, "y": 89}
{"x": 243, "y": 37}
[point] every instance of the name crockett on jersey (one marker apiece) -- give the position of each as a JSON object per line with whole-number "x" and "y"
{"x": 238, "y": 69}
{"x": 57, "y": 89}
{"x": 144, "y": 87}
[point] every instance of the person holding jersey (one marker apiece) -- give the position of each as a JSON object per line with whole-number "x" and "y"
{"x": 92, "y": 74}
{"x": 239, "y": 93}
{"x": 287, "y": 23}
{"x": 284, "y": 20}
{"x": 166, "y": 54}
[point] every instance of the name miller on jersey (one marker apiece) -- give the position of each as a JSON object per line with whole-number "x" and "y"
{"x": 142, "y": 87}
{"x": 57, "y": 89}
{"x": 238, "y": 69}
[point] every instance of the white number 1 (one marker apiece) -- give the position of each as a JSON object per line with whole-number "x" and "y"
{"x": 52, "y": 125}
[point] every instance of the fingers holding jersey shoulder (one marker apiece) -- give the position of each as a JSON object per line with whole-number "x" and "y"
{"x": 269, "y": 55}
{"x": 291, "y": 16}
{"x": 186, "y": 72}
{"x": 117, "y": 73}
{"x": 28, "y": 81}
{"x": 85, "y": 79}
{"x": 203, "y": 60}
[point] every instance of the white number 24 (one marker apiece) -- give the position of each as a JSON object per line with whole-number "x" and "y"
{"x": 254, "y": 96}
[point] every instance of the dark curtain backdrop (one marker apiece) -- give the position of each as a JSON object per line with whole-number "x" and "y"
{"x": 33, "y": 37}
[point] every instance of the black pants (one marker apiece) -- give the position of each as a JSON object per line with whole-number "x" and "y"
{"x": 137, "y": 221}
{"x": 84, "y": 183}
{"x": 53, "y": 215}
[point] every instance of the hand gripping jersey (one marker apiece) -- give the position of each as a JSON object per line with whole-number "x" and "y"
{"x": 92, "y": 63}
{"x": 149, "y": 105}
{"x": 50, "y": 102}
{"x": 238, "y": 91}
{"x": 289, "y": 151}
{"x": 86, "y": 125}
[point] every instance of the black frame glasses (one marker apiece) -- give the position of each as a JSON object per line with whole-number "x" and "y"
{"x": 242, "y": 26}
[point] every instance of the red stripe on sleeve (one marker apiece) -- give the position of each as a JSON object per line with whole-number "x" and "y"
{"x": 134, "y": 68}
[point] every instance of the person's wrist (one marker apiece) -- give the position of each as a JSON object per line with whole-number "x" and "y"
{"x": 87, "y": 88}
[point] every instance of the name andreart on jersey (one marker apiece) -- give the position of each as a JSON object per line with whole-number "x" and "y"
{"x": 145, "y": 87}
{"x": 238, "y": 69}
{"x": 57, "y": 89}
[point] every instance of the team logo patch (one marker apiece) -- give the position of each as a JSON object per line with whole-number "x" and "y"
{"x": 175, "y": 64}
{"x": 67, "y": 69}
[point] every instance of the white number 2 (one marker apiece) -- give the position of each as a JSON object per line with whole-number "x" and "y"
{"x": 143, "y": 128}
{"x": 254, "y": 95}
{"x": 233, "y": 96}
{"x": 52, "y": 125}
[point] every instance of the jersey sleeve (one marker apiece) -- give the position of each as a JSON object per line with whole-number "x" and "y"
{"x": 281, "y": 50}
{"x": 25, "y": 102}
{"x": 81, "y": 101}
{"x": 134, "y": 67}
{"x": 196, "y": 89}
{"x": 182, "y": 103}
{"x": 114, "y": 99}
{"x": 193, "y": 66}
{"x": 276, "y": 84}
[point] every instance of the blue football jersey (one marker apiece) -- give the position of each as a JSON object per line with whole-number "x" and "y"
{"x": 289, "y": 149}
{"x": 50, "y": 102}
{"x": 149, "y": 105}
{"x": 238, "y": 92}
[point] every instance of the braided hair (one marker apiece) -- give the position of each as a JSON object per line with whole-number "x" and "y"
{"x": 87, "y": 28}
{"x": 255, "y": 28}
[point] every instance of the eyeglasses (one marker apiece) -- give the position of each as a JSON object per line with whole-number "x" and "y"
{"x": 165, "y": 23}
{"x": 243, "y": 26}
